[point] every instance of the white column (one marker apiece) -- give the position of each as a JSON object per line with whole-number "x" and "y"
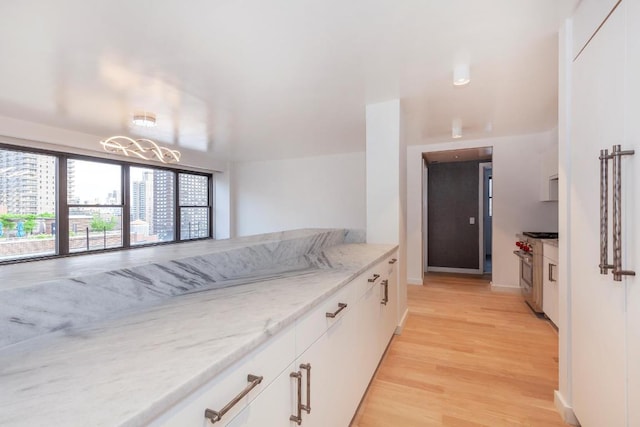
{"x": 386, "y": 186}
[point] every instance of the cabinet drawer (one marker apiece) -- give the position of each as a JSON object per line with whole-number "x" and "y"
{"x": 311, "y": 326}
{"x": 268, "y": 361}
{"x": 550, "y": 252}
{"x": 373, "y": 276}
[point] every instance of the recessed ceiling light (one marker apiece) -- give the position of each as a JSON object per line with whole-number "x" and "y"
{"x": 461, "y": 75}
{"x": 144, "y": 119}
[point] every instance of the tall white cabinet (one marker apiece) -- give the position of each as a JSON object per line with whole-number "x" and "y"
{"x": 605, "y": 314}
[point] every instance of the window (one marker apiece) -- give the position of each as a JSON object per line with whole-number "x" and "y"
{"x": 194, "y": 206}
{"x": 27, "y": 210}
{"x": 94, "y": 197}
{"x": 152, "y": 204}
{"x": 105, "y": 204}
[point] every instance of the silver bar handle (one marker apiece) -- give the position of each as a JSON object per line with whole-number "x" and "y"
{"x": 307, "y": 407}
{"x": 341, "y": 306}
{"x": 604, "y": 211}
{"x": 385, "y": 300}
{"x": 297, "y": 418}
{"x": 617, "y": 154}
{"x": 373, "y": 278}
{"x": 215, "y": 416}
{"x": 551, "y": 266}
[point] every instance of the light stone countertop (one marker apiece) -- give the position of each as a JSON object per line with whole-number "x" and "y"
{"x": 126, "y": 371}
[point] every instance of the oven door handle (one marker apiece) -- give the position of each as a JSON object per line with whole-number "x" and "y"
{"x": 527, "y": 258}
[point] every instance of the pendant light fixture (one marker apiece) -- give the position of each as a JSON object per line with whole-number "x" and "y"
{"x": 142, "y": 148}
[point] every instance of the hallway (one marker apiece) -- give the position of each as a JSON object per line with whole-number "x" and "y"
{"x": 467, "y": 357}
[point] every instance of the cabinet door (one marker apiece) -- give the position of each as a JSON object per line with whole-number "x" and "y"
{"x": 273, "y": 406}
{"x": 368, "y": 327}
{"x": 631, "y": 204}
{"x": 550, "y": 290}
{"x": 334, "y": 363}
{"x": 587, "y": 19}
{"x": 598, "y": 303}
{"x": 390, "y": 310}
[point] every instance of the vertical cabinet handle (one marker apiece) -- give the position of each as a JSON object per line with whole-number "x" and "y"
{"x": 307, "y": 407}
{"x": 297, "y": 418}
{"x": 551, "y": 266}
{"x": 373, "y": 278}
{"x": 385, "y": 300}
{"x": 616, "y": 156}
{"x": 604, "y": 211}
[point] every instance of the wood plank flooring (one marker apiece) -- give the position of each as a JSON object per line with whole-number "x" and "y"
{"x": 467, "y": 357}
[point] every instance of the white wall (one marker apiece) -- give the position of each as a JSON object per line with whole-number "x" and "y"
{"x": 321, "y": 191}
{"x": 223, "y": 207}
{"x": 516, "y": 205}
{"x": 383, "y": 173}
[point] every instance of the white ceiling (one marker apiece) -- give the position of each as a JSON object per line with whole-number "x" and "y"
{"x": 251, "y": 79}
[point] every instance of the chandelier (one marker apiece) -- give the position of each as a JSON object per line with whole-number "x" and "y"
{"x": 142, "y": 148}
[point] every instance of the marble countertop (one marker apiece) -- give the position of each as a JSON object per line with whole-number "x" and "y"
{"x": 126, "y": 371}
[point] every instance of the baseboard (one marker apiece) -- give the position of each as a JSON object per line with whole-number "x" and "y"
{"x": 506, "y": 289}
{"x": 400, "y": 326}
{"x": 414, "y": 281}
{"x": 565, "y": 411}
{"x": 454, "y": 270}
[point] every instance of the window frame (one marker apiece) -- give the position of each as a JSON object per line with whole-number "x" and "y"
{"x": 62, "y": 203}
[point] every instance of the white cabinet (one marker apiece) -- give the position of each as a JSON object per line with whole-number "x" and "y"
{"x": 605, "y": 342}
{"x": 331, "y": 354}
{"x": 550, "y": 282}
{"x": 587, "y": 19}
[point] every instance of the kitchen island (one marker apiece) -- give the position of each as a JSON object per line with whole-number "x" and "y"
{"x": 128, "y": 367}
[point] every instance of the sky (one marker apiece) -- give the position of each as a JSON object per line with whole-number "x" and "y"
{"x": 96, "y": 180}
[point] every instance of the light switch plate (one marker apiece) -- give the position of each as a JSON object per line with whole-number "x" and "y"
{"x": 472, "y": 220}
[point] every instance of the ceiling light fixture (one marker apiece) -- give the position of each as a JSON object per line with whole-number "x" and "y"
{"x": 461, "y": 75}
{"x": 456, "y": 128}
{"x": 142, "y": 148}
{"x": 144, "y": 119}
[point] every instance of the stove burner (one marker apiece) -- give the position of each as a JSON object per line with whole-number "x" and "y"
{"x": 541, "y": 235}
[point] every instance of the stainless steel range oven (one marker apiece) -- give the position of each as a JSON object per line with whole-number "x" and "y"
{"x": 531, "y": 266}
{"x": 526, "y": 273}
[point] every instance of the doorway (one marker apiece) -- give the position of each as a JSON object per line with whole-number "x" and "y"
{"x": 485, "y": 190}
{"x": 458, "y": 211}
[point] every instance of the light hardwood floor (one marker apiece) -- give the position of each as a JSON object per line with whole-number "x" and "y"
{"x": 467, "y": 357}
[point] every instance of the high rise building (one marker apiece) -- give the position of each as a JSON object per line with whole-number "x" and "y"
{"x": 142, "y": 200}
{"x": 194, "y": 213}
{"x": 28, "y": 182}
{"x": 163, "y": 205}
